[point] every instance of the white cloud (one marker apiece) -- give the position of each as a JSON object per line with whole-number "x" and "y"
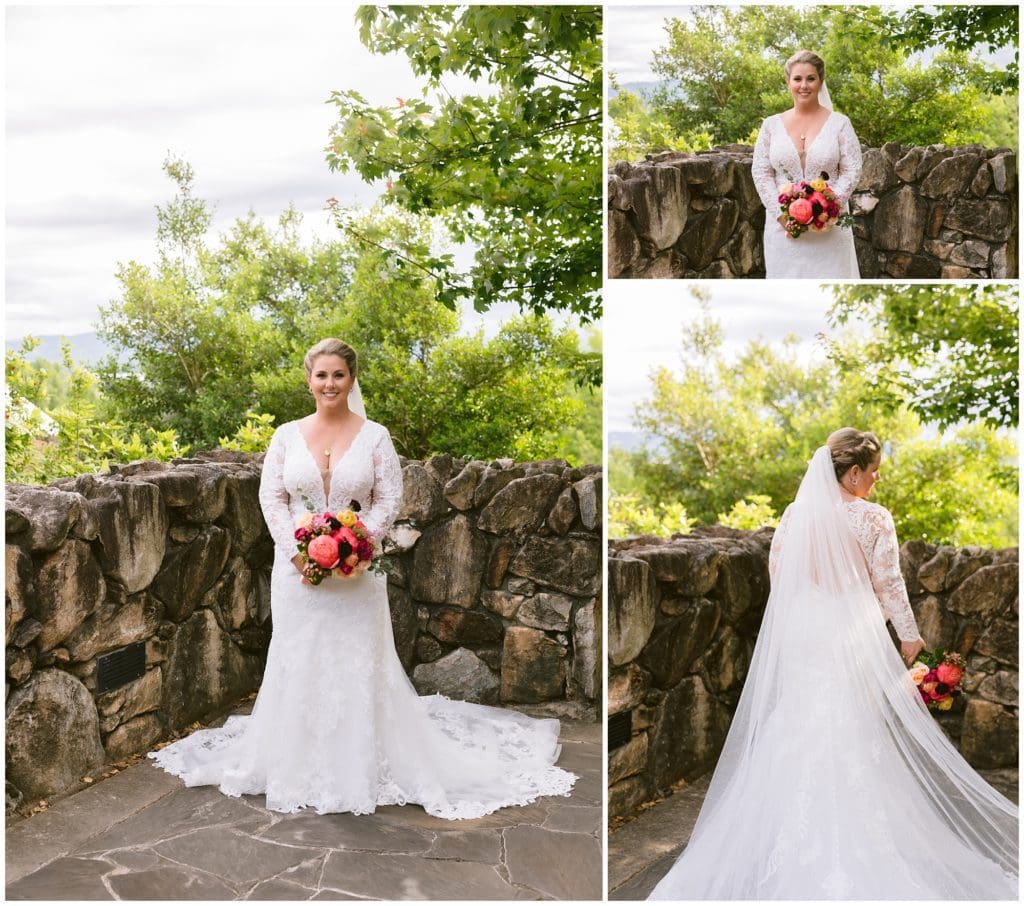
{"x": 97, "y": 96}
{"x": 644, "y": 319}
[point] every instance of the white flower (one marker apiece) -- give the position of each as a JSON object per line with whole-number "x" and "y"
{"x": 918, "y": 672}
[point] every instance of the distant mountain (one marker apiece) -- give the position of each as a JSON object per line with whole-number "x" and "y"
{"x": 86, "y": 348}
{"x": 644, "y": 89}
{"x": 626, "y": 440}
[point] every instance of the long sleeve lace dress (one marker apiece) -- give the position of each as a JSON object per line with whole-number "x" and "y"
{"x": 337, "y": 725}
{"x": 835, "y": 782}
{"x": 835, "y": 151}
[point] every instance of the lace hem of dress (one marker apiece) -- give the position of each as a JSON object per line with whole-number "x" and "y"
{"x": 522, "y": 787}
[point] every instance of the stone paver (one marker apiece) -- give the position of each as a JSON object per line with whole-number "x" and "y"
{"x": 143, "y": 835}
{"x": 641, "y": 852}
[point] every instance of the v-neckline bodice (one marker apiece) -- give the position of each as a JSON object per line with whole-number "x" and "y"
{"x": 807, "y": 150}
{"x": 327, "y": 476}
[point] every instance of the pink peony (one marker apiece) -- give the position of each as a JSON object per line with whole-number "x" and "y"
{"x": 948, "y": 674}
{"x": 801, "y": 211}
{"x": 323, "y": 549}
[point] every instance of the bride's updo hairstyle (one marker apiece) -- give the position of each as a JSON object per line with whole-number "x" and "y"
{"x": 806, "y": 56}
{"x": 331, "y": 346}
{"x": 850, "y": 448}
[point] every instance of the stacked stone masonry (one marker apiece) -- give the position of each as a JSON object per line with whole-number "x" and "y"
{"x": 495, "y": 572}
{"x": 935, "y": 212}
{"x": 683, "y": 616}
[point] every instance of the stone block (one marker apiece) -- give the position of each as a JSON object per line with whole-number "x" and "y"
{"x": 563, "y": 514}
{"x": 571, "y": 565}
{"x": 456, "y": 626}
{"x": 627, "y": 760}
{"x": 52, "y": 734}
{"x": 134, "y": 737}
{"x": 990, "y": 218}
{"x": 627, "y": 687}
{"x": 69, "y": 587}
{"x": 522, "y": 505}
{"x": 133, "y": 525}
{"x": 632, "y": 608}
{"x": 19, "y": 586}
{"x": 986, "y": 593}
{"x": 533, "y": 667}
{"x": 989, "y": 735}
{"x": 459, "y": 675}
{"x": 951, "y": 177}
{"x": 586, "y": 648}
{"x": 115, "y": 625}
{"x": 422, "y": 496}
{"x": 688, "y": 735}
{"x": 189, "y": 571}
{"x": 461, "y": 550}
{"x": 676, "y": 643}
{"x": 899, "y": 221}
{"x": 546, "y": 611}
{"x": 460, "y": 488}
{"x": 205, "y": 671}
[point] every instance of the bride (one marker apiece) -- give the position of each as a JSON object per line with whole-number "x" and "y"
{"x": 337, "y": 725}
{"x": 835, "y": 782}
{"x": 801, "y": 144}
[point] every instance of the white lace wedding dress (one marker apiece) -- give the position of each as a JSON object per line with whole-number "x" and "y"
{"x": 834, "y": 150}
{"x": 835, "y": 781}
{"x": 337, "y": 725}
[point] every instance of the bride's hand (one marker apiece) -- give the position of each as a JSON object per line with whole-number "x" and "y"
{"x": 782, "y": 220}
{"x": 911, "y": 650}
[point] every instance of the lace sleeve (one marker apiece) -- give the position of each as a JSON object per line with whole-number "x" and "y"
{"x": 777, "y": 539}
{"x": 764, "y": 173}
{"x": 386, "y": 497}
{"x": 274, "y": 497}
{"x": 850, "y": 163}
{"x": 887, "y": 579}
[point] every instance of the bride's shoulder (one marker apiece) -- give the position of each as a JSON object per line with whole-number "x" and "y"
{"x": 375, "y": 429}
{"x": 872, "y": 512}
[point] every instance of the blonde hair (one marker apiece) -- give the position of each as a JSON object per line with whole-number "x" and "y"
{"x": 806, "y": 56}
{"x": 331, "y": 346}
{"x": 851, "y": 447}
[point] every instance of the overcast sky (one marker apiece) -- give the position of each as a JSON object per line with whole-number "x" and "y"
{"x": 643, "y": 323}
{"x": 97, "y": 96}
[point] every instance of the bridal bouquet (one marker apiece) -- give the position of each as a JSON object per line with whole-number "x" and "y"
{"x": 810, "y": 206}
{"x": 333, "y": 544}
{"x": 937, "y": 675}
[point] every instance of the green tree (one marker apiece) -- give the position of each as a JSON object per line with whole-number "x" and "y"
{"x": 515, "y": 170}
{"x": 639, "y": 130}
{"x": 729, "y": 440}
{"x": 949, "y": 352}
{"x": 960, "y": 28}
{"x": 213, "y": 337}
{"x": 723, "y": 69}
{"x": 959, "y": 489}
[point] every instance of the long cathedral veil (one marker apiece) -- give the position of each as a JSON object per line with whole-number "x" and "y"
{"x": 835, "y": 781}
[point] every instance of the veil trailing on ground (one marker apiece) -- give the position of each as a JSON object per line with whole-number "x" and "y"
{"x": 835, "y": 781}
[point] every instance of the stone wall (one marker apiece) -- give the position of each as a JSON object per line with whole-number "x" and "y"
{"x": 494, "y": 589}
{"x": 683, "y": 616}
{"x": 933, "y": 212}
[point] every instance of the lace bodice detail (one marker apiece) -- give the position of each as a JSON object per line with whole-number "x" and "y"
{"x": 834, "y": 150}
{"x": 875, "y": 532}
{"x": 368, "y": 472}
